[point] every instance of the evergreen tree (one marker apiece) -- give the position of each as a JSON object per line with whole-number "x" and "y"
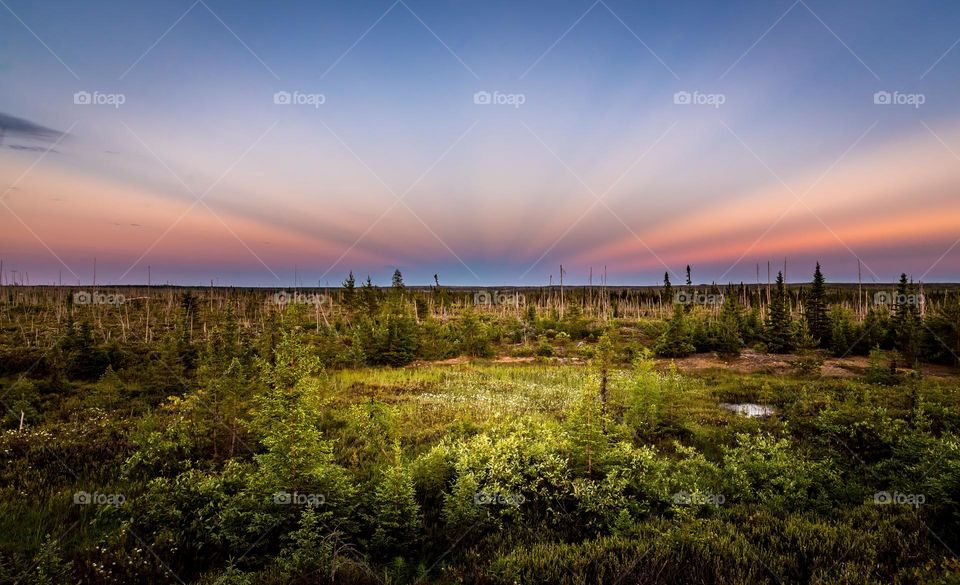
{"x": 350, "y": 291}
{"x": 370, "y": 297}
{"x": 844, "y": 333}
{"x": 906, "y": 319}
{"x": 727, "y": 336}
{"x": 396, "y": 514}
{"x": 689, "y": 278}
{"x": 876, "y": 330}
{"x": 815, "y": 311}
{"x": 667, "y": 289}
{"x": 677, "y": 340}
{"x": 780, "y": 329}
{"x": 942, "y": 334}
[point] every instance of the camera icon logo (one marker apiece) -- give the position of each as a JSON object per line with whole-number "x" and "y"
{"x": 82, "y": 98}
{"x": 482, "y": 98}
{"x": 882, "y": 298}
{"x": 82, "y": 498}
{"x": 882, "y": 98}
{"x": 682, "y": 98}
{"x": 882, "y": 498}
{"x": 82, "y": 298}
{"x": 282, "y": 98}
{"x": 482, "y": 297}
{"x": 281, "y": 298}
{"x": 682, "y": 297}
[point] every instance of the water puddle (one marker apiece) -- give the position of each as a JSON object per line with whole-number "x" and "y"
{"x": 748, "y": 410}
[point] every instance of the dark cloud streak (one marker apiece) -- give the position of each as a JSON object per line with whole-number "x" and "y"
{"x": 18, "y": 126}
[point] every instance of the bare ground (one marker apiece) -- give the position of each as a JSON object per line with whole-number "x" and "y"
{"x": 748, "y": 362}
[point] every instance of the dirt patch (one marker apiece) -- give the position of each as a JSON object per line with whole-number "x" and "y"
{"x": 748, "y": 362}
{"x": 455, "y": 361}
{"x": 507, "y": 359}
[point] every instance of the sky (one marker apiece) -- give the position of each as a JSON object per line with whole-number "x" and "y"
{"x": 487, "y": 142}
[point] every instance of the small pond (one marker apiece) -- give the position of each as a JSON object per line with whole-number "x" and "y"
{"x": 749, "y": 410}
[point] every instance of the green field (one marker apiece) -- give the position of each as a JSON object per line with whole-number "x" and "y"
{"x": 205, "y": 437}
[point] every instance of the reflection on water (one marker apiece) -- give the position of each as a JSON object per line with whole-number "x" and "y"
{"x": 748, "y": 410}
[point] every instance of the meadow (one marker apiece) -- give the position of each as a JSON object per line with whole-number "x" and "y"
{"x": 404, "y": 435}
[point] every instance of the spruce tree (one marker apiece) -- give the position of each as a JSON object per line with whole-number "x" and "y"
{"x": 906, "y": 319}
{"x": 350, "y": 290}
{"x": 728, "y": 340}
{"x": 677, "y": 340}
{"x": 780, "y": 331}
{"x": 815, "y": 311}
{"x": 942, "y": 339}
{"x": 667, "y": 289}
{"x": 397, "y": 287}
{"x": 370, "y": 297}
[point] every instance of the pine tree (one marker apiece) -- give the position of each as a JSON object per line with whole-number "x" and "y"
{"x": 396, "y": 511}
{"x": 396, "y": 287}
{"x": 677, "y": 340}
{"x": 350, "y": 290}
{"x": 844, "y": 333}
{"x": 780, "y": 330}
{"x": 815, "y": 311}
{"x": 370, "y": 297}
{"x": 727, "y": 337}
{"x": 906, "y": 319}
{"x": 942, "y": 339}
{"x": 667, "y": 289}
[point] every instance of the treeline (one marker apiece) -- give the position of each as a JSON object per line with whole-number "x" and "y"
{"x": 903, "y": 320}
{"x": 356, "y": 325}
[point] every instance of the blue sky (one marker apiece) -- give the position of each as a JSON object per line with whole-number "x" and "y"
{"x": 597, "y": 166}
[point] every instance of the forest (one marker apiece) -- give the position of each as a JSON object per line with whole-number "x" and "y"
{"x": 742, "y": 433}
